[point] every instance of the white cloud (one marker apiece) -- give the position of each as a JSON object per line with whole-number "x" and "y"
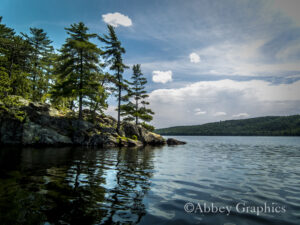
{"x": 289, "y": 7}
{"x": 111, "y": 110}
{"x": 194, "y": 57}
{"x": 176, "y": 106}
{"x": 117, "y": 19}
{"x": 161, "y": 76}
{"x": 220, "y": 114}
{"x": 199, "y": 112}
{"x": 241, "y": 115}
{"x": 234, "y": 59}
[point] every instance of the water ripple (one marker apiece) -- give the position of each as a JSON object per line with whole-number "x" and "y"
{"x": 152, "y": 185}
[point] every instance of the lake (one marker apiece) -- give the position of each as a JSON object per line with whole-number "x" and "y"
{"x": 210, "y": 180}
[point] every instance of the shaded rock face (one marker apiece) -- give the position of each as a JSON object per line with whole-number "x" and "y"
{"x": 131, "y": 130}
{"x": 143, "y": 135}
{"x": 103, "y": 141}
{"x": 10, "y": 130}
{"x": 36, "y": 134}
{"x": 172, "y": 141}
{"x": 44, "y": 125}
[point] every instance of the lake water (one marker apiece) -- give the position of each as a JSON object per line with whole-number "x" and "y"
{"x": 211, "y": 180}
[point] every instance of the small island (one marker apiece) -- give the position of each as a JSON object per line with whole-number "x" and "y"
{"x": 58, "y": 98}
{"x": 40, "y": 124}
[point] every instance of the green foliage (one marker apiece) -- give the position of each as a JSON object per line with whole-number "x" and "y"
{"x": 136, "y": 108}
{"x": 14, "y": 62}
{"x": 113, "y": 56}
{"x": 58, "y": 96}
{"x": 78, "y": 72}
{"x": 40, "y": 60}
{"x": 10, "y": 104}
{"x": 148, "y": 126}
{"x": 36, "y": 138}
{"x": 71, "y": 79}
{"x": 261, "y": 126}
{"x": 134, "y": 137}
{"x": 5, "y": 84}
{"x": 121, "y": 139}
{"x": 97, "y": 95}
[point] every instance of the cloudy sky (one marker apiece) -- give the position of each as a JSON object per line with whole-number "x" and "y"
{"x": 205, "y": 60}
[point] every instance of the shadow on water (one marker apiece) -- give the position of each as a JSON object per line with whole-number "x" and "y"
{"x": 152, "y": 186}
{"x": 74, "y": 185}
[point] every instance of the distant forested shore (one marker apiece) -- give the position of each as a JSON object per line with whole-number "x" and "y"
{"x": 260, "y": 126}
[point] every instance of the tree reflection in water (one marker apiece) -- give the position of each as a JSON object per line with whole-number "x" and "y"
{"x": 74, "y": 185}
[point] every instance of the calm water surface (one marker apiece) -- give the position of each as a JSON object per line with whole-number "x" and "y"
{"x": 152, "y": 185}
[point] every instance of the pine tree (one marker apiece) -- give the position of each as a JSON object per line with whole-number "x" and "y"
{"x": 19, "y": 67}
{"x": 14, "y": 61}
{"x": 137, "y": 109}
{"x": 6, "y": 34}
{"x": 49, "y": 75}
{"x": 58, "y": 97}
{"x": 5, "y": 86}
{"x": 97, "y": 96}
{"x": 41, "y": 52}
{"x": 79, "y": 66}
{"x": 113, "y": 54}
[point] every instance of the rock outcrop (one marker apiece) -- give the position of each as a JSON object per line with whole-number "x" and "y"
{"x": 172, "y": 141}
{"x": 44, "y": 125}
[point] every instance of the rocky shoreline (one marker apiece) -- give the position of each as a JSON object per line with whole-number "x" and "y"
{"x": 42, "y": 125}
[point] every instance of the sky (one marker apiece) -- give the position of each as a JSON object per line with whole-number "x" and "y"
{"x": 205, "y": 60}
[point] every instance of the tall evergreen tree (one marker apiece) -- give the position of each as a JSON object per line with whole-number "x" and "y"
{"x": 136, "y": 109}
{"x": 113, "y": 54}
{"x": 6, "y": 34}
{"x": 41, "y": 52}
{"x": 58, "y": 97}
{"x": 49, "y": 75}
{"x": 97, "y": 96}
{"x": 19, "y": 66}
{"x": 79, "y": 65}
{"x": 14, "y": 61}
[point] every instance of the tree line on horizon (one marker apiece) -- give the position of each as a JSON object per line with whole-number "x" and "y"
{"x": 72, "y": 78}
{"x": 259, "y": 126}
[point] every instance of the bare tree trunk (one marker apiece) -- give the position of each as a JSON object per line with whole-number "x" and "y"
{"x": 119, "y": 109}
{"x": 136, "y": 111}
{"x": 80, "y": 88}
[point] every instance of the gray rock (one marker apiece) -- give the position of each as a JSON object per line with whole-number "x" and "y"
{"x": 107, "y": 129}
{"x": 143, "y": 135}
{"x": 172, "y": 141}
{"x": 48, "y": 126}
{"x": 131, "y": 130}
{"x": 36, "y": 134}
{"x": 134, "y": 143}
{"x": 96, "y": 140}
{"x": 80, "y": 137}
{"x": 82, "y": 125}
{"x": 109, "y": 120}
{"x": 150, "y": 138}
{"x": 10, "y": 131}
{"x": 103, "y": 141}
